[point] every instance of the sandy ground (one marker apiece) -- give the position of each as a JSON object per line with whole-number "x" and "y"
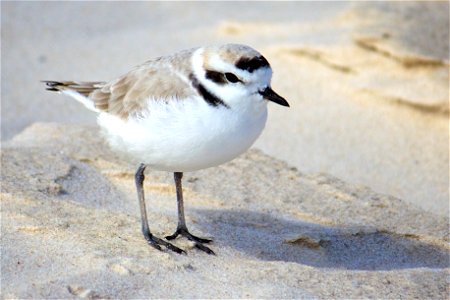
{"x": 70, "y": 228}
{"x": 368, "y": 87}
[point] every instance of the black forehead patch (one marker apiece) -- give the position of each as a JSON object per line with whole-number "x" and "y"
{"x": 252, "y": 63}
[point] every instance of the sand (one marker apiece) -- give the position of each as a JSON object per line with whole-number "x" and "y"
{"x": 70, "y": 227}
{"x": 345, "y": 195}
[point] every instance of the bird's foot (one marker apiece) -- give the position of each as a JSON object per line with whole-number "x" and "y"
{"x": 197, "y": 240}
{"x": 157, "y": 243}
{"x": 184, "y": 232}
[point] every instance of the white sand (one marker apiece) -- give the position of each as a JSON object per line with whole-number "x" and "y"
{"x": 70, "y": 227}
{"x": 368, "y": 87}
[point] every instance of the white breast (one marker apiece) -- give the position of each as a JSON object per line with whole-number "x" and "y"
{"x": 185, "y": 135}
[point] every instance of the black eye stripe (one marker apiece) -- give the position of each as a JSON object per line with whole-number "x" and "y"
{"x": 210, "y": 98}
{"x": 252, "y": 63}
{"x": 221, "y": 78}
{"x": 216, "y": 77}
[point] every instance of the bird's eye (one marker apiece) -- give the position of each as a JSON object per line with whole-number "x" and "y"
{"x": 231, "y": 77}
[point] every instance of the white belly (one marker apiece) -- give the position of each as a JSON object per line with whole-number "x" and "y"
{"x": 185, "y": 135}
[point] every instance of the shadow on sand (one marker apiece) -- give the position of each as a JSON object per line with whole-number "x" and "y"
{"x": 354, "y": 248}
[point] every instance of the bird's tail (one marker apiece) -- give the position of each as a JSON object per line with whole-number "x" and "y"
{"x": 78, "y": 90}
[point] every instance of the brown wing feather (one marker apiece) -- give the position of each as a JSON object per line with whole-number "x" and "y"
{"x": 156, "y": 79}
{"x": 84, "y": 88}
{"x": 128, "y": 94}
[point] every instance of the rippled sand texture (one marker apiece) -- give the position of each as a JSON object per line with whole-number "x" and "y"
{"x": 347, "y": 199}
{"x": 70, "y": 227}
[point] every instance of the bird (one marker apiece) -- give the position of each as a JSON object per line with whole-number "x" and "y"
{"x": 195, "y": 109}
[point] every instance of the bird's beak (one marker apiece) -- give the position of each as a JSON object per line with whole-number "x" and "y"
{"x": 270, "y": 95}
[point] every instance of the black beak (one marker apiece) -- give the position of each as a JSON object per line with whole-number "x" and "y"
{"x": 270, "y": 95}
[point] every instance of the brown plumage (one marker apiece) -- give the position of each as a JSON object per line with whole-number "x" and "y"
{"x": 162, "y": 78}
{"x": 84, "y": 88}
{"x": 127, "y": 95}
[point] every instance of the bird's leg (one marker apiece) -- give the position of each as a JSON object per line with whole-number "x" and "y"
{"x": 151, "y": 239}
{"x": 182, "y": 228}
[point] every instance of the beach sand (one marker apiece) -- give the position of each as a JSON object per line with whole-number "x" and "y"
{"x": 71, "y": 228}
{"x": 345, "y": 194}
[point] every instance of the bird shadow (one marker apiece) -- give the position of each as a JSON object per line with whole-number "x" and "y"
{"x": 271, "y": 238}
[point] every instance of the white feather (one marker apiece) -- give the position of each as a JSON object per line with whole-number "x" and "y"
{"x": 184, "y": 135}
{"x": 180, "y": 135}
{"x": 82, "y": 99}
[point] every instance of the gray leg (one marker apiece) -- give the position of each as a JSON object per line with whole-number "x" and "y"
{"x": 182, "y": 228}
{"x": 151, "y": 239}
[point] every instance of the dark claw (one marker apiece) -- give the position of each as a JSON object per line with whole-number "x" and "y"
{"x": 172, "y": 237}
{"x": 188, "y": 235}
{"x": 157, "y": 243}
{"x": 204, "y": 248}
{"x": 175, "y": 249}
{"x": 154, "y": 245}
{"x": 198, "y": 241}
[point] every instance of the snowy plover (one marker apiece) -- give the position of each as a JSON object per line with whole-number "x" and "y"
{"x": 192, "y": 110}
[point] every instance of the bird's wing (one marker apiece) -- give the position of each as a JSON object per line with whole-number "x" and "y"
{"x": 159, "y": 79}
{"x": 164, "y": 78}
